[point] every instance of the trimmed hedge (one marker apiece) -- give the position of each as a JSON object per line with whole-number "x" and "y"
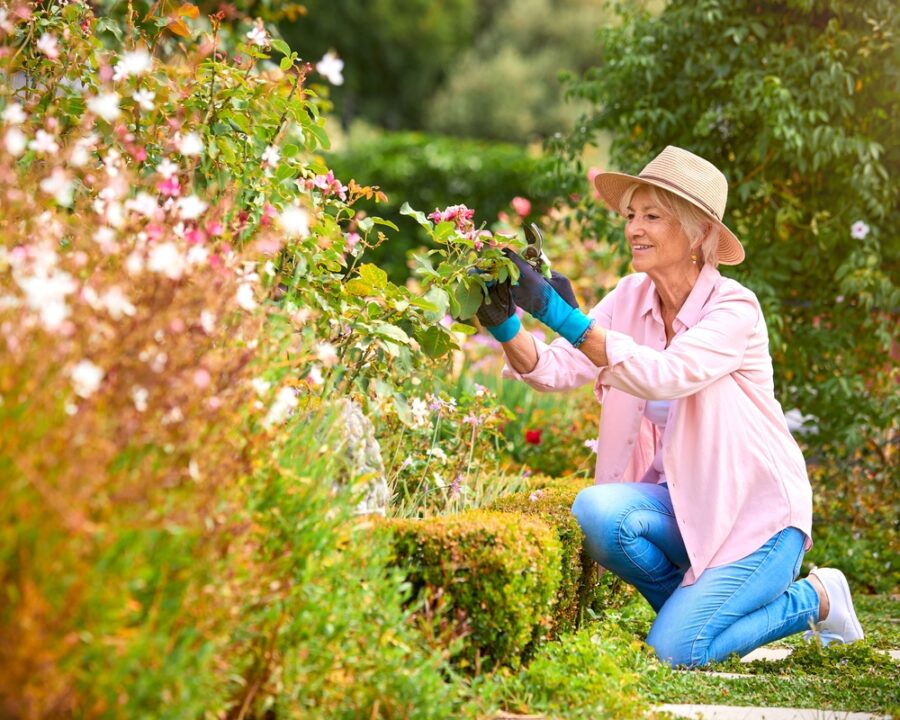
{"x": 488, "y": 580}
{"x": 584, "y": 585}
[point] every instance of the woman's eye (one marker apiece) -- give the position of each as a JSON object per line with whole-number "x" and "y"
{"x": 653, "y": 217}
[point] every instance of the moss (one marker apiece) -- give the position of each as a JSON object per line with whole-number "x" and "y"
{"x": 486, "y": 582}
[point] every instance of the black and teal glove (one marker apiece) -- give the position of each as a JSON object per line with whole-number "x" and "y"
{"x": 552, "y": 301}
{"x": 497, "y": 313}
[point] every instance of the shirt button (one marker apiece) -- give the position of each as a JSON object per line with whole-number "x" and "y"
{"x": 630, "y": 441}
{"x": 641, "y": 406}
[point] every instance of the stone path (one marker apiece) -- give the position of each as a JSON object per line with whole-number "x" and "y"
{"x": 731, "y": 712}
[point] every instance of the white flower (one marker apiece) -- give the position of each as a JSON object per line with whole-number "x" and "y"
{"x": 144, "y": 99}
{"x": 592, "y": 445}
{"x": 117, "y": 303}
{"x": 189, "y": 145}
{"x": 326, "y": 354}
{"x": 167, "y": 259}
{"x": 197, "y": 255}
{"x": 44, "y": 142}
{"x": 245, "y": 297}
{"x": 271, "y": 156}
{"x": 48, "y": 45}
{"x": 258, "y": 35}
{"x": 270, "y": 269}
{"x": 81, "y": 152}
{"x": 143, "y": 204}
{"x": 420, "y": 412}
{"x": 13, "y": 114}
{"x": 859, "y": 230}
{"x": 86, "y": 378}
{"x": 294, "y": 220}
{"x": 436, "y": 452}
{"x": 60, "y": 186}
{"x": 191, "y": 207}
{"x": 46, "y": 289}
{"x": 207, "y": 321}
{"x": 134, "y": 264}
{"x": 139, "y": 397}
{"x": 105, "y": 105}
{"x": 260, "y": 386}
{"x": 15, "y": 141}
{"x": 332, "y": 68}
{"x": 285, "y": 401}
{"x": 439, "y": 481}
{"x": 315, "y": 375}
{"x": 167, "y": 169}
{"x": 133, "y": 64}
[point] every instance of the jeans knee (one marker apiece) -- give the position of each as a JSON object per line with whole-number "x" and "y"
{"x": 675, "y": 648}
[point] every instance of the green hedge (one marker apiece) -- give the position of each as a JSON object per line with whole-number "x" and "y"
{"x": 580, "y": 584}
{"x": 487, "y": 581}
{"x": 431, "y": 171}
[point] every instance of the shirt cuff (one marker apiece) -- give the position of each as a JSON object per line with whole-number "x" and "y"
{"x": 619, "y": 347}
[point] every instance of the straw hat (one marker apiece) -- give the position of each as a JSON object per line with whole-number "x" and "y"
{"x": 690, "y": 177}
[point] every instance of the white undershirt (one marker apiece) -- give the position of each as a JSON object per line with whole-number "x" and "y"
{"x": 657, "y": 412}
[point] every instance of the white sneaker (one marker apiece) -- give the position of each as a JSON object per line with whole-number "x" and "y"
{"x": 841, "y": 625}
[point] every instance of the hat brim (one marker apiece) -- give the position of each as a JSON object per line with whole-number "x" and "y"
{"x": 611, "y": 186}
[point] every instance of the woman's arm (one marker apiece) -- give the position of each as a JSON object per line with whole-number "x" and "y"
{"x": 521, "y": 352}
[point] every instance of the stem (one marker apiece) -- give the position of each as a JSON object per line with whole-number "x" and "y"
{"x": 297, "y": 81}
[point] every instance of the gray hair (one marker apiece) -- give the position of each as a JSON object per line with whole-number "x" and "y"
{"x": 699, "y": 227}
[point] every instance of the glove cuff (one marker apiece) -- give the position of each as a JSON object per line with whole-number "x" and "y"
{"x": 574, "y": 327}
{"x": 507, "y": 330}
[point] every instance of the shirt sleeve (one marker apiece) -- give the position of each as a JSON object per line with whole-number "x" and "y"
{"x": 560, "y": 365}
{"x": 713, "y": 348}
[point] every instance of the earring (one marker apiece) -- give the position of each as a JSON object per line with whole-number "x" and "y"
{"x": 694, "y": 258}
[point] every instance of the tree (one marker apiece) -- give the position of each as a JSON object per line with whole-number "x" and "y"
{"x": 797, "y": 102}
{"x": 506, "y": 86}
{"x": 395, "y": 54}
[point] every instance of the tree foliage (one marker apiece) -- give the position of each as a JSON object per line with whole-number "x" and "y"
{"x": 506, "y": 86}
{"x": 796, "y": 102}
{"x": 394, "y": 56}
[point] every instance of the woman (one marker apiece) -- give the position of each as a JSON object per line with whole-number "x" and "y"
{"x": 702, "y": 500}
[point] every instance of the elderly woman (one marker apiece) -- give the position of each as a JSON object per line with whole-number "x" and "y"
{"x": 701, "y": 500}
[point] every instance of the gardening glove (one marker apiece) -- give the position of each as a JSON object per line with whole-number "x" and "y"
{"x": 497, "y": 313}
{"x": 550, "y": 301}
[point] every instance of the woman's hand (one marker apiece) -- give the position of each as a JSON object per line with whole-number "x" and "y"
{"x": 550, "y": 301}
{"x": 497, "y": 313}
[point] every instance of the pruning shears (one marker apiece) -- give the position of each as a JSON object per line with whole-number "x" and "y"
{"x": 534, "y": 252}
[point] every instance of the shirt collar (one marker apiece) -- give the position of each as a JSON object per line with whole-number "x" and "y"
{"x": 690, "y": 311}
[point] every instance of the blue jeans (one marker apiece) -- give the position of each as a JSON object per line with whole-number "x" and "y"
{"x": 630, "y": 529}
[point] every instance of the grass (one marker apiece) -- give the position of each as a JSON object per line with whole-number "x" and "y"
{"x": 610, "y": 654}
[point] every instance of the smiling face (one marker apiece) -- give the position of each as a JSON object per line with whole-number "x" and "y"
{"x": 659, "y": 245}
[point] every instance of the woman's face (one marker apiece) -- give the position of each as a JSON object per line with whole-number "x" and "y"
{"x": 658, "y": 243}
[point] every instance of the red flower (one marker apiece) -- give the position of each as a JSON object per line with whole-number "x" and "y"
{"x": 533, "y": 437}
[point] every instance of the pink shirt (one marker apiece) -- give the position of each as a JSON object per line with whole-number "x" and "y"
{"x": 735, "y": 475}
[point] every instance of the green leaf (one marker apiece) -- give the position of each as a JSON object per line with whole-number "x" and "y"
{"x": 106, "y": 24}
{"x": 419, "y": 216}
{"x": 435, "y": 342}
{"x": 286, "y": 63}
{"x": 281, "y": 46}
{"x": 469, "y": 298}
{"x": 390, "y": 331}
{"x": 373, "y": 275}
{"x": 440, "y": 300}
{"x": 463, "y": 328}
{"x": 358, "y": 287}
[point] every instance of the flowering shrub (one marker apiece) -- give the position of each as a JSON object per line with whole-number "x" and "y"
{"x": 465, "y": 260}
{"x": 180, "y": 293}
